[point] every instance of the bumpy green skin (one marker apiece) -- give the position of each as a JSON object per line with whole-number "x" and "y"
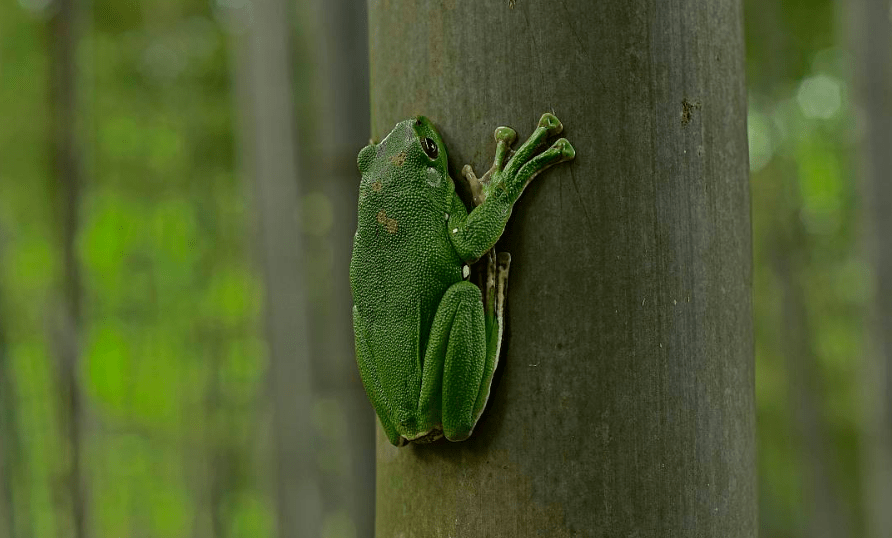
{"x": 427, "y": 341}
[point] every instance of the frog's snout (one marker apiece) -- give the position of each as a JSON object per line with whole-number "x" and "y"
{"x": 365, "y": 158}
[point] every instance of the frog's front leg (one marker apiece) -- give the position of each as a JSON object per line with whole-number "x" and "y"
{"x": 523, "y": 167}
{"x": 459, "y": 362}
{"x": 475, "y": 233}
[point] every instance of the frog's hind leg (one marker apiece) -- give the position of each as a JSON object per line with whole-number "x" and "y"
{"x": 454, "y": 362}
{"x": 494, "y": 312}
{"x": 459, "y": 361}
{"x": 369, "y": 375}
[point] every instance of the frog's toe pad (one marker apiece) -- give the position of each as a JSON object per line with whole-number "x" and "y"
{"x": 567, "y": 152}
{"x": 505, "y": 134}
{"x": 550, "y": 123}
{"x": 503, "y": 259}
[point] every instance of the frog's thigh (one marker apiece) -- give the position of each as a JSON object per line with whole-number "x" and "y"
{"x": 369, "y": 375}
{"x": 457, "y": 348}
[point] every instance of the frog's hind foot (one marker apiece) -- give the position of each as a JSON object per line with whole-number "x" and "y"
{"x": 503, "y": 262}
{"x": 434, "y": 435}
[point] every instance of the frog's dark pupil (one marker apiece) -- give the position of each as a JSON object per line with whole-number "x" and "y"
{"x": 430, "y": 147}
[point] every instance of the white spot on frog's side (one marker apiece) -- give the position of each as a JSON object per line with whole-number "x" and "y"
{"x": 433, "y": 177}
{"x": 447, "y": 216}
{"x": 465, "y": 272}
{"x": 455, "y": 230}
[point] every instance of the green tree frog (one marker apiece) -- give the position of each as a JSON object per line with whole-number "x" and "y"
{"x": 428, "y": 339}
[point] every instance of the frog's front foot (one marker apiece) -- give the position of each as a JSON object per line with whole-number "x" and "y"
{"x": 551, "y": 124}
{"x": 515, "y": 174}
{"x": 504, "y": 136}
{"x": 565, "y": 149}
{"x": 526, "y": 165}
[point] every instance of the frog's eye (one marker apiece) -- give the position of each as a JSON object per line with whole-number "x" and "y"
{"x": 429, "y": 147}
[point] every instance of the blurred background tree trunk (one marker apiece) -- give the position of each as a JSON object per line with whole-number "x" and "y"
{"x": 826, "y": 515}
{"x": 870, "y": 34}
{"x": 624, "y": 404}
{"x": 13, "y": 488}
{"x": 64, "y": 35}
{"x": 8, "y": 435}
{"x": 335, "y": 107}
{"x": 265, "y": 88}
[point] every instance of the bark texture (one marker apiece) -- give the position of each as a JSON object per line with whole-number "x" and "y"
{"x": 623, "y": 404}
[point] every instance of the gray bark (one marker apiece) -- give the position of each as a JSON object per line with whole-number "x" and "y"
{"x": 623, "y": 405}
{"x": 265, "y": 89}
{"x": 64, "y": 31}
{"x": 871, "y": 38}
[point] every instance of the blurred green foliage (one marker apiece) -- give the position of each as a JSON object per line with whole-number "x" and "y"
{"x": 810, "y": 284}
{"x": 171, "y": 301}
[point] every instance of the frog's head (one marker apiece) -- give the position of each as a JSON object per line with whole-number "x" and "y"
{"x": 412, "y": 154}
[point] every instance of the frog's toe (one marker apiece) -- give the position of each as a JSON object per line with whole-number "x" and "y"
{"x": 550, "y": 123}
{"x": 567, "y": 151}
{"x": 505, "y": 134}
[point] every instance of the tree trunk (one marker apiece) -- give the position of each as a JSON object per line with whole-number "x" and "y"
{"x": 64, "y": 36}
{"x": 10, "y": 452}
{"x": 871, "y": 34}
{"x": 623, "y": 405}
{"x": 265, "y": 87}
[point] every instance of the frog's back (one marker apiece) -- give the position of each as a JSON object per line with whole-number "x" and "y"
{"x": 403, "y": 262}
